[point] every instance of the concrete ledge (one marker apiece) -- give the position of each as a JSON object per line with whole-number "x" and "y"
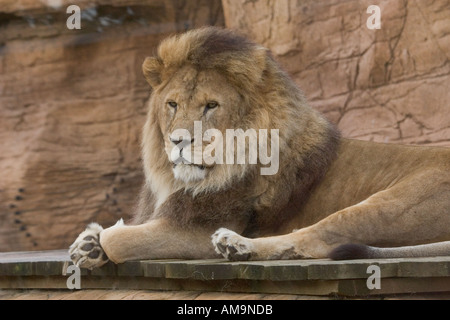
{"x": 47, "y": 270}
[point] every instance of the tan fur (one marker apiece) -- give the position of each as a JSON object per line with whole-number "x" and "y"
{"x": 376, "y": 194}
{"x": 333, "y": 190}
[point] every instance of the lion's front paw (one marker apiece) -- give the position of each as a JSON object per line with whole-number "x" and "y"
{"x": 231, "y": 245}
{"x": 86, "y": 251}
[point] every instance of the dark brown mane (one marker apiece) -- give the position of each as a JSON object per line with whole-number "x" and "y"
{"x": 221, "y": 42}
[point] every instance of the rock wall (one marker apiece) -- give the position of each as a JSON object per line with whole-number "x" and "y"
{"x": 388, "y": 85}
{"x": 72, "y": 102}
{"x": 72, "y": 105}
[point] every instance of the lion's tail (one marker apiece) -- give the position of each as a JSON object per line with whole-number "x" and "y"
{"x": 360, "y": 251}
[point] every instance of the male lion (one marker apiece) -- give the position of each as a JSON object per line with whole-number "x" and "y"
{"x": 340, "y": 195}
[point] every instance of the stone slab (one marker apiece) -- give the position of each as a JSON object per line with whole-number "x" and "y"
{"x": 48, "y": 270}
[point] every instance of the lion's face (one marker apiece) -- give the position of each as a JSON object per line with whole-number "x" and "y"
{"x": 206, "y": 83}
{"x": 190, "y": 108}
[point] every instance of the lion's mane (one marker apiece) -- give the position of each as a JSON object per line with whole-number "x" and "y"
{"x": 308, "y": 142}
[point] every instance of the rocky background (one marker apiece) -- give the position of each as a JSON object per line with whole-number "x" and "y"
{"x": 72, "y": 102}
{"x": 387, "y": 85}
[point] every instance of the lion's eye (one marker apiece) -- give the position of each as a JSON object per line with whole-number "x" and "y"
{"x": 172, "y": 104}
{"x": 212, "y": 105}
{"x": 209, "y": 106}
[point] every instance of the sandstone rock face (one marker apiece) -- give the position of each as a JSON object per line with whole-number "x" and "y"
{"x": 387, "y": 85}
{"x": 72, "y": 102}
{"x": 72, "y": 105}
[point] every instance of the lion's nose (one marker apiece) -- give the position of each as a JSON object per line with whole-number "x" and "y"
{"x": 181, "y": 142}
{"x": 177, "y": 151}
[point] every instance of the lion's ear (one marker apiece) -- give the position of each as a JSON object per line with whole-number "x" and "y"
{"x": 248, "y": 70}
{"x": 260, "y": 56}
{"x": 152, "y": 69}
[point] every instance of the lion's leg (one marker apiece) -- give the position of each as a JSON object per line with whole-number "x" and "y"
{"x": 181, "y": 228}
{"x": 156, "y": 239}
{"x": 407, "y": 214}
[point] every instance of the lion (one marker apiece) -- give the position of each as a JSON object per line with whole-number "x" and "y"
{"x": 331, "y": 197}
